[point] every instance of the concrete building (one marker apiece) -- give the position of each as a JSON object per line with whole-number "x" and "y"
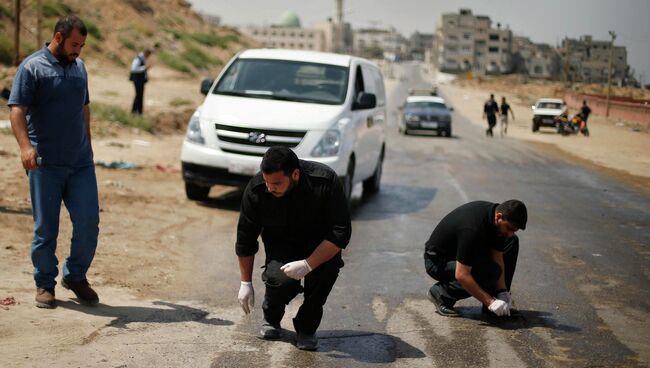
{"x": 378, "y": 42}
{"x": 420, "y": 45}
{"x": 287, "y": 33}
{"x": 537, "y": 60}
{"x": 586, "y": 60}
{"x": 467, "y": 42}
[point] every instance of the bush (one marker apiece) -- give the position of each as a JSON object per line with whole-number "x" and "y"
{"x": 127, "y": 43}
{"x": 173, "y": 62}
{"x": 93, "y": 30}
{"x": 197, "y": 57}
{"x": 56, "y": 9}
{"x": 209, "y": 39}
{"x": 121, "y": 116}
{"x": 6, "y": 50}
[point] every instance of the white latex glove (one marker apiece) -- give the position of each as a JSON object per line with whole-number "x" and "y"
{"x": 297, "y": 269}
{"x": 246, "y": 296}
{"x": 499, "y": 307}
{"x": 506, "y": 297}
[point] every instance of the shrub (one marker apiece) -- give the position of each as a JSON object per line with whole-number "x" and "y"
{"x": 209, "y": 39}
{"x": 92, "y": 28}
{"x": 6, "y": 50}
{"x": 198, "y": 57}
{"x": 121, "y": 116}
{"x": 173, "y": 62}
{"x": 56, "y": 9}
{"x": 127, "y": 43}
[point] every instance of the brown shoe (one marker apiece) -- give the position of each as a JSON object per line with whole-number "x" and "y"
{"x": 82, "y": 290}
{"x": 45, "y": 298}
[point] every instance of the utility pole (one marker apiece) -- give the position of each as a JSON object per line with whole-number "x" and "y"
{"x": 17, "y": 33}
{"x": 609, "y": 72}
{"x": 567, "y": 43}
{"x": 39, "y": 23}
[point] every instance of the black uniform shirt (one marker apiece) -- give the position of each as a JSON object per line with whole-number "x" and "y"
{"x": 504, "y": 108}
{"x": 294, "y": 225}
{"x": 491, "y": 107}
{"x": 467, "y": 234}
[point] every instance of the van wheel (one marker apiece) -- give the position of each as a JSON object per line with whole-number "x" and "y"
{"x": 348, "y": 181}
{"x": 372, "y": 184}
{"x": 535, "y": 127}
{"x": 196, "y": 192}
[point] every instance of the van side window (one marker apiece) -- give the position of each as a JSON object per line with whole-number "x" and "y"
{"x": 358, "y": 82}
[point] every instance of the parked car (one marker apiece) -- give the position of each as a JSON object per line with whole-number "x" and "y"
{"x": 545, "y": 111}
{"x": 425, "y": 113}
{"x": 327, "y": 107}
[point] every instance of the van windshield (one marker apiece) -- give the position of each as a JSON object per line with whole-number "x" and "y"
{"x": 285, "y": 80}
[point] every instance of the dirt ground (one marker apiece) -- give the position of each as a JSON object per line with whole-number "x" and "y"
{"x": 147, "y": 224}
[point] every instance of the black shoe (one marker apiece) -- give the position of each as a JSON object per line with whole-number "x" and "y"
{"x": 441, "y": 308}
{"x": 82, "y": 290}
{"x": 270, "y": 331}
{"x": 306, "y": 341}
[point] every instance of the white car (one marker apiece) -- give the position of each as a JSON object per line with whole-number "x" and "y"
{"x": 327, "y": 107}
{"x": 545, "y": 111}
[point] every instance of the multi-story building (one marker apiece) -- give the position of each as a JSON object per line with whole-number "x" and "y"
{"x": 420, "y": 44}
{"x": 586, "y": 60}
{"x": 388, "y": 42}
{"x": 537, "y": 60}
{"x": 287, "y": 34}
{"x": 464, "y": 42}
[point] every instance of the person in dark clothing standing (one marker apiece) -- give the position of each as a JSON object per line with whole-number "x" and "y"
{"x": 139, "y": 77}
{"x": 490, "y": 110}
{"x": 473, "y": 252}
{"x": 300, "y": 209}
{"x": 585, "y": 110}
{"x": 505, "y": 107}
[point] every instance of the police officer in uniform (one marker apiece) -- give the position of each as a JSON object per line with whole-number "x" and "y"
{"x": 473, "y": 252}
{"x": 300, "y": 209}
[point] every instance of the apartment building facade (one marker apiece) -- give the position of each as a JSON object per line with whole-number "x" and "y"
{"x": 467, "y": 42}
{"x": 537, "y": 60}
{"x": 587, "y": 60}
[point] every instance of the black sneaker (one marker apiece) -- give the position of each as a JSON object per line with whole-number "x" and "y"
{"x": 82, "y": 290}
{"x": 270, "y": 331}
{"x": 441, "y": 308}
{"x": 307, "y": 342}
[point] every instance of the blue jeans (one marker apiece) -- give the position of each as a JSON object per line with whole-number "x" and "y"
{"x": 76, "y": 187}
{"x": 486, "y": 273}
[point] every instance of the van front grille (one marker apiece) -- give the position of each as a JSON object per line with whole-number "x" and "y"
{"x": 253, "y": 137}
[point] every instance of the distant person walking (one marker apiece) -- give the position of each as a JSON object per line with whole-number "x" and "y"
{"x": 505, "y": 107}
{"x": 50, "y": 118}
{"x": 139, "y": 77}
{"x": 490, "y": 110}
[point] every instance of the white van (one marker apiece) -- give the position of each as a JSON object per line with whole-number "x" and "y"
{"x": 328, "y": 108}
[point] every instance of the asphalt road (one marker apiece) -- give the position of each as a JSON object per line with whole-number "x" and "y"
{"x": 582, "y": 281}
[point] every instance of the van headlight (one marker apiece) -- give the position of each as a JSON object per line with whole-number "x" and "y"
{"x": 194, "y": 134}
{"x": 328, "y": 145}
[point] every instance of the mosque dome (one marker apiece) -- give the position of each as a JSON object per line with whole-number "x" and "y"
{"x": 289, "y": 20}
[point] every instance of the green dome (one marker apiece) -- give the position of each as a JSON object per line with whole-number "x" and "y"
{"x": 289, "y": 20}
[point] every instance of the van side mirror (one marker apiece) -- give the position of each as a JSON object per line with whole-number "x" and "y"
{"x": 364, "y": 101}
{"x": 205, "y": 86}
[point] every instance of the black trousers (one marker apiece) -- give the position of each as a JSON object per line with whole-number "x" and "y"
{"x": 139, "y": 96}
{"x": 492, "y": 121}
{"x": 281, "y": 289}
{"x": 486, "y": 272}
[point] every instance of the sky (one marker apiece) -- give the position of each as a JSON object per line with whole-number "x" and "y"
{"x": 547, "y": 21}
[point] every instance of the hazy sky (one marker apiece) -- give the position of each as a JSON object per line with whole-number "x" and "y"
{"x": 542, "y": 20}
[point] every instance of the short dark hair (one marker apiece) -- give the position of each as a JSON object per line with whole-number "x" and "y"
{"x": 279, "y": 159}
{"x": 515, "y": 212}
{"x": 67, "y": 23}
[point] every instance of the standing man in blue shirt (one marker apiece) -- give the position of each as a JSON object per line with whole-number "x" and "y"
{"x": 139, "y": 77}
{"x": 50, "y": 118}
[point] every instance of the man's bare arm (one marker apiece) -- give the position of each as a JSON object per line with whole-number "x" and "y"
{"x": 28, "y": 155}
{"x": 466, "y": 280}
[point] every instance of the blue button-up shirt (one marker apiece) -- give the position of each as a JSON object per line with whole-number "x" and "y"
{"x": 55, "y": 95}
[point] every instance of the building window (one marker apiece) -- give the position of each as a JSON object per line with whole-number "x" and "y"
{"x": 272, "y": 33}
{"x": 281, "y": 44}
{"x": 255, "y": 32}
{"x": 494, "y": 37}
{"x": 493, "y": 50}
{"x": 467, "y": 36}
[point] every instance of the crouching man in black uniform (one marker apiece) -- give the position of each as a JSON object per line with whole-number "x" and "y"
{"x": 473, "y": 252}
{"x": 301, "y": 211}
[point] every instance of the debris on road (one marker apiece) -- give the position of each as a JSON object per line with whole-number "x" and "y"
{"x": 117, "y": 144}
{"x": 122, "y": 165}
{"x": 140, "y": 142}
{"x": 8, "y": 301}
{"x": 168, "y": 168}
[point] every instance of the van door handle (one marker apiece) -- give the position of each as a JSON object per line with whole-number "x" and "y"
{"x": 370, "y": 121}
